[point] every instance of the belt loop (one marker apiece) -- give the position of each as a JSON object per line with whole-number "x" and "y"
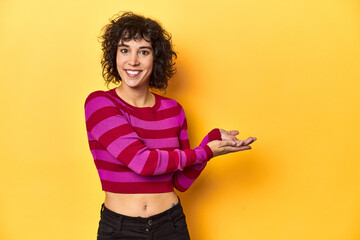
{"x": 120, "y": 224}
{"x": 179, "y": 201}
{"x": 170, "y": 215}
{"x": 170, "y": 218}
{"x": 179, "y": 206}
{"x": 101, "y": 209}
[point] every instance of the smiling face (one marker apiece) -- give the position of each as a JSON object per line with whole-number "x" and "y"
{"x": 134, "y": 60}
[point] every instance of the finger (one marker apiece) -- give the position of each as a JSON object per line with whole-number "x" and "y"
{"x": 236, "y": 149}
{"x": 253, "y": 140}
{"x": 239, "y": 143}
{"x": 226, "y": 143}
{"x": 244, "y": 148}
{"x": 233, "y": 132}
{"x": 248, "y": 140}
{"x": 234, "y": 138}
{"x": 232, "y": 143}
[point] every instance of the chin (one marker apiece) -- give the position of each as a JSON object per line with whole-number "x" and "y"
{"x": 135, "y": 85}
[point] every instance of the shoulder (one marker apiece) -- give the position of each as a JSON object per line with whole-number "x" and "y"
{"x": 99, "y": 97}
{"x": 167, "y": 102}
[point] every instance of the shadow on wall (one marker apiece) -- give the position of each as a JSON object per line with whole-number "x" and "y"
{"x": 242, "y": 175}
{"x": 238, "y": 173}
{"x": 178, "y": 84}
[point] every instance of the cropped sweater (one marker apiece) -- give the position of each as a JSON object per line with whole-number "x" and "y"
{"x": 143, "y": 149}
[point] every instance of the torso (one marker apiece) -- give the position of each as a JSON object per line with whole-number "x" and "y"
{"x": 140, "y": 205}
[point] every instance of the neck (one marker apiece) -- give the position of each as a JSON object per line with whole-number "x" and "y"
{"x": 139, "y": 97}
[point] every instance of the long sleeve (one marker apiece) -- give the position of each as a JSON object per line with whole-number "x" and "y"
{"x": 184, "y": 179}
{"x": 107, "y": 124}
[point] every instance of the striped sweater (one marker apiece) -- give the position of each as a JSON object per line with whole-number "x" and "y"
{"x": 143, "y": 149}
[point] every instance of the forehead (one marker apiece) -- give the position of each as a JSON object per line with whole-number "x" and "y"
{"x": 135, "y": 41}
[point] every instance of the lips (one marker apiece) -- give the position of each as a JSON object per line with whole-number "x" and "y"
{"x": 133, "y": 73}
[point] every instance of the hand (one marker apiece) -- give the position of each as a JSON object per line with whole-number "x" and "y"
{"x": 230, "y": 135}
{"x": 229, "y": 143}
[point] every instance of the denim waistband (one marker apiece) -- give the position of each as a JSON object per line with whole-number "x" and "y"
{"x": 166, "y": 215}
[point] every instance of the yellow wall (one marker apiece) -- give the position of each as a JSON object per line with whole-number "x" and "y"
{"x": 286, "y": 72}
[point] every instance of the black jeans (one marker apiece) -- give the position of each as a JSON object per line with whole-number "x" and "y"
{"x": 168, "y": 225}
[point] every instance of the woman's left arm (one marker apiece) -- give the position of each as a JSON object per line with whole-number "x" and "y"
{"x": 184, "y": 179}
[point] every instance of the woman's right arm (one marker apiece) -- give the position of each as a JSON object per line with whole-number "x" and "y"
{"x": 108, "y": 125}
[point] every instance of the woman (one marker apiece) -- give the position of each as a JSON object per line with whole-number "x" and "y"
{"x": 139, "y": 139}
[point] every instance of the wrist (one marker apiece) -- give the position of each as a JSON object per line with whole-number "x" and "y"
{"x": 215, "y": 134}
{"x": 209, "y": 152}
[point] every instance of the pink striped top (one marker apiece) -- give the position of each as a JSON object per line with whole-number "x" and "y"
{"x": 143, "y": 149}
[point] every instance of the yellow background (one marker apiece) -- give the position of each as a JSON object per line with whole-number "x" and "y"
{"x": 286, "y": 72}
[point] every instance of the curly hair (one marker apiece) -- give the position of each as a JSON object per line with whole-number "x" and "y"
{"x": 129, "y": 26}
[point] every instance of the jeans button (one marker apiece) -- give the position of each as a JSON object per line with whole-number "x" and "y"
{"x": 149, "y": 221}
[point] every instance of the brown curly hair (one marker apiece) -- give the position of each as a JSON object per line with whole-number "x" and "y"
{"x": 127, "y": 26}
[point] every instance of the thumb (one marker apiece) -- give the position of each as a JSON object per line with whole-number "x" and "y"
{"x": 233, "y": 132}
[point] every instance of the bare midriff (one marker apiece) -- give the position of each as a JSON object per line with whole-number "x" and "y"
{"x": 140, "y": 205}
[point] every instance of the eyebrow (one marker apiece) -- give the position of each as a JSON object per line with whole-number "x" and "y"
{"x": 124, "y": 45}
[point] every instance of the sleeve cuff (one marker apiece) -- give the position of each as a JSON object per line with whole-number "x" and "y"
{"x": 208, "y": 152}
{"x": 214, "y": 135}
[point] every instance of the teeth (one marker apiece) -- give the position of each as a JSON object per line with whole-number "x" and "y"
{"x": 132, "y": 72}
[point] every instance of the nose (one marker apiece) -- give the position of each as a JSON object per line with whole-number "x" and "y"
{"x": 133, "y": 59}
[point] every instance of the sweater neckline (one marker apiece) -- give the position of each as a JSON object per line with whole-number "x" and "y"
{"x": 153, "y": 108}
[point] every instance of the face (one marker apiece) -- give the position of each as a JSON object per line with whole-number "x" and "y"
{"x": 134, "y": 60}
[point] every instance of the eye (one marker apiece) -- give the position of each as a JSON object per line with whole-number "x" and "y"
{"x": 144, "y": 52}
{"x": 124, "y": 50}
